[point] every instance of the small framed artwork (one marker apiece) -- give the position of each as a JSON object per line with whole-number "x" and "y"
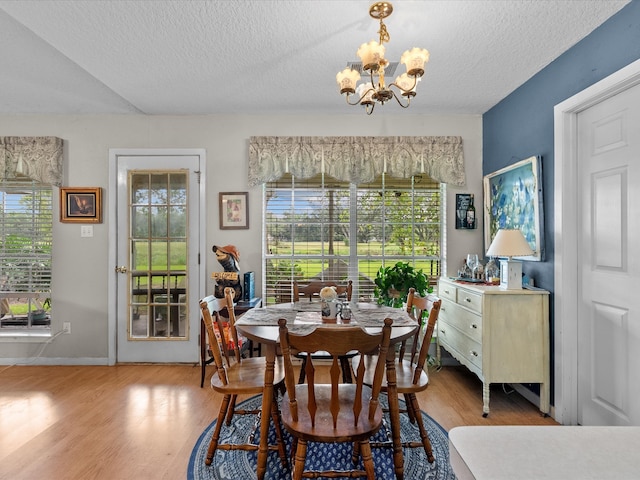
{"x": 234, "y": 211}
{"x": 465, "y": 211}
{"x": 513, "y": 199}
{"x": 81, "y": 205}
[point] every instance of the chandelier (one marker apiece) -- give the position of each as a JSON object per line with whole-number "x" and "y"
{"x": 372, "y": 92}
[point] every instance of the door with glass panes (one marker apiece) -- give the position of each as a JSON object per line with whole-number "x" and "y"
{"x": 157, "y": 270}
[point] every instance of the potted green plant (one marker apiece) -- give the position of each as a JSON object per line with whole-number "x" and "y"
{"x": 393, "y": 284}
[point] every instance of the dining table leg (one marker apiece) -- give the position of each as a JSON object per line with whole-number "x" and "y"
{"x": 267, "y": 401}
{"x": 394, "y": 414}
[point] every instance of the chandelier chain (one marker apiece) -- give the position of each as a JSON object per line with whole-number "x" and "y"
{"x": 384, "y": 34}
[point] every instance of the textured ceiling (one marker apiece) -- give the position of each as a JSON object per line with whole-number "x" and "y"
{"x": 270, "y": 56}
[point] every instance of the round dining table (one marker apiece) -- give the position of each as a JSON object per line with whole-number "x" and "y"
{"x": 261, "y": 325}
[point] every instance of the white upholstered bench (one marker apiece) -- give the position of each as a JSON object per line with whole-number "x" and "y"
{"x": 545, "y": 452}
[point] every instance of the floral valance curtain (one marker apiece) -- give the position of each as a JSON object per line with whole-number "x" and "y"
{"x": 356, "y": 159}
{"x": 35, "y": 158}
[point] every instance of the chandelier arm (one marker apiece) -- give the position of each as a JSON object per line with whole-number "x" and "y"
{"x": 360, "y": 99}
{"x": 399, "y": 102}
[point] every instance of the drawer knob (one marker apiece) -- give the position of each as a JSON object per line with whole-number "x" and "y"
{"x": 468, "y": 300}
{"x": 446, "y": 291}
{"x": 442, "y": 331}
{"x": 475, "y": 354}
{"x": 473, "y": 325}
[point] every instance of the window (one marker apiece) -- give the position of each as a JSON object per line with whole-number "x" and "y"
{"x": 321, "y": 228}
{"x": 25, "y": 254}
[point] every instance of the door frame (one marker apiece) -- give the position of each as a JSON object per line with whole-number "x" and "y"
{"x": 565, "y": 187}
{"x": 112, "y": 297}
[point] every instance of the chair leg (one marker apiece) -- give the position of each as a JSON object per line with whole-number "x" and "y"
{"x": 301, "y": 455}
{"x": 294, "y": 446}
{"x": 275, "y": 416}
{"x": 216, "y": 432}
{"x": 281, "y": 388}
{"x": 355, "y": 453}
{"x": 346, "y": 369}
{"x": 231, "y": 409}
{"x": 367, "y": 459}
{"x": 426, "y": 443}
{"x": 411, "y": 413}
{"x": 302, "y": 368}
{"x": 203, "y": 354}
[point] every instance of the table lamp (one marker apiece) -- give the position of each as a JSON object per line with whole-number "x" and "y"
{"x": 509, "y": 243}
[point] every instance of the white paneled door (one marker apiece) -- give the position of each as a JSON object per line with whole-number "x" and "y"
{"x": 157, "y": 269}
{"x": 609, "y": 261}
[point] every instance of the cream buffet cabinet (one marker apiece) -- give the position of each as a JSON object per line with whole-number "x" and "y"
{"x": 500, "y": 335}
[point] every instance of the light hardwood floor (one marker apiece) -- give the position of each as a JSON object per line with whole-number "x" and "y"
{"x": 142, "y": 421}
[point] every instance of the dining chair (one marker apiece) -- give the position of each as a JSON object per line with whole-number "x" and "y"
{"x": 411, "y": 376}
{"x": 311, "y": 292}
{"x": 333, "y": 412}
{"x": 236, "y": 376}
{"x": 206, "y": 355}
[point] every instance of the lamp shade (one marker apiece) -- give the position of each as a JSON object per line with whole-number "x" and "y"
{"x": 509, "y": 243}
{"x": 347, "y": 80}
{"x": 366, "y": 91}
{"x": 407, "y": 84}
{"x": 415, "y": 59}
{"x": 371, "y": 54}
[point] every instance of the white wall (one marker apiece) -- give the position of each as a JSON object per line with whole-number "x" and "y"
{"x": 80, "y": 264}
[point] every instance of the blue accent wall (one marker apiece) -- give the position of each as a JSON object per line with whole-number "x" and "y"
{"x": 521, "y": 125}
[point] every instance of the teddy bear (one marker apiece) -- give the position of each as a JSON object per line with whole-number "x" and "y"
{"x": 228, "y": 256}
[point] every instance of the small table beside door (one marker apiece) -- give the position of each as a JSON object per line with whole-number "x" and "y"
{"x": 261, "y": 325}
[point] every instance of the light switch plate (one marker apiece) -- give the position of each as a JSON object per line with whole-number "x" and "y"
{"x": 86, "y": 231}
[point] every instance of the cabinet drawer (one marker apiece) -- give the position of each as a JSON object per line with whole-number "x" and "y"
{"x": 448, "y": 335}
{"x": 470, "y": 300}
{"x": 448, "y": 292}
{"x": 467, "y": 322}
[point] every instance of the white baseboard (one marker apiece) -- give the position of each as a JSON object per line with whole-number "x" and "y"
{"x": 54, "y": 361}
{"x": 531, "y": 396}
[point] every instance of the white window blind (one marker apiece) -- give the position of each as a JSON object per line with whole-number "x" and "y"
{"x": 322, "y": 228}
{"x": 26, "y": 242}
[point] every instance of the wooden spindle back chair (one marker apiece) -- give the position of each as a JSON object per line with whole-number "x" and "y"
{"x": 311, "y": 292}
{"x": 236, "y": 376}
{"x": 411, "y": 375}
{"x": 333, "y": 412}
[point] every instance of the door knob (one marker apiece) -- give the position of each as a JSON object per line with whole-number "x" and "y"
{"x": 121, "y": 269}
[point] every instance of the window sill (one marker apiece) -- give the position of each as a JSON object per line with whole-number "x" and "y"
{"x": 25, "y": 336}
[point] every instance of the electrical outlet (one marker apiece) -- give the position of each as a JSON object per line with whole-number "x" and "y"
{"x": 66, "y": 327}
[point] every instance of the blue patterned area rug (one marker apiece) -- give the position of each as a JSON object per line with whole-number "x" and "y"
{"x": 241, "y": 465}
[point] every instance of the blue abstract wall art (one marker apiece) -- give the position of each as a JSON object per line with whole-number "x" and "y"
{"x": 513, "y": 199}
